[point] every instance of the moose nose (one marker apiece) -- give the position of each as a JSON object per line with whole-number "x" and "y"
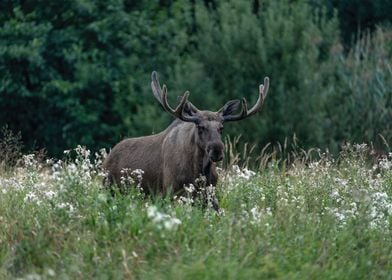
{"x": 217, "y": 157}
{"x": 215, "y": 151}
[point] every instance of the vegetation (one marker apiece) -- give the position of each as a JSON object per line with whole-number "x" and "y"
{"x": 325, "y": 218}
{"x": 78, "y": 72}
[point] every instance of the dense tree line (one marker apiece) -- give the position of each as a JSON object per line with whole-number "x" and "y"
{"x": 78, "y": 72}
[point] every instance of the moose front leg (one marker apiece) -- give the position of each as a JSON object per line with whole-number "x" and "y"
{"x": 205, "y": 190}
{"x": 215, "y": 204}
{"x": 210, "y": 181}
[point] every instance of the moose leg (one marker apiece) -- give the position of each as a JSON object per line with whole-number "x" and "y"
{"x": 206, "y": 194}
{"x": 211, "y": 178}
{"x": 215, "y": 204}
{"x": 208, "y": 198}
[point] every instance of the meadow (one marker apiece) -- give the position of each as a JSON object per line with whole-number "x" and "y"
{"x": 313, "y": 217}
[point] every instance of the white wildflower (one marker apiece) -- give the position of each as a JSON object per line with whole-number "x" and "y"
{"x": 190, "y": 189}
{"x": 360, "y": 148}
{"x": 341, "y": 182}
{"x": 171, "y": 223}
{"x": 385, "y": 164}
{"x": 32, "y": 276}
{"x": 29, "y": 160}
{"x": 138, "y": 173}
{"x": 246, "y": 173}
{"x": 162, "y": 220}
{"x": 102, "y": 197}
{"x": 51, "y": 272}
{"x": 32, "y": 197}
{"x": 66, "y": 206}
{"x": 335, "y": 195}
{"x": 184, "y": 200}
{"x": 256, "y": 215}
{"x": 50, "y": 194}
{"x": 154, "y": 214}
{"x": 243, "y": 174}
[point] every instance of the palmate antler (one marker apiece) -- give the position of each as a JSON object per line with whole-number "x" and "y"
{"x": 161, "y": 95}
{"x": 263, "y": 90}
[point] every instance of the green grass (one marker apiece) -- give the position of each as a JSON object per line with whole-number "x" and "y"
{"x": 325, "y": 219}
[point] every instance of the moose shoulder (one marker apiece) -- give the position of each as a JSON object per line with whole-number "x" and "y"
{"x": 186, "y": 150}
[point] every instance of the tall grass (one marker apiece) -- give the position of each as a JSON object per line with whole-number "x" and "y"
{"x": 10, "y": 148}
{"x": 315, "y": 218}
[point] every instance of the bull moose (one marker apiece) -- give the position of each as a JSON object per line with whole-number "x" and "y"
{"x": 185, "y": 151}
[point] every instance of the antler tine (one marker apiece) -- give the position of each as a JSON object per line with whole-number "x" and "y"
{"x": 177, "y": 112}
{"x": 161, "y": 96}
{"x": 156, "y": 88}
{"x": 263, "y": 89}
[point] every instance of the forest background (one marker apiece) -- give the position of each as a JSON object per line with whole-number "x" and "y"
{"x": 78, "y": 71}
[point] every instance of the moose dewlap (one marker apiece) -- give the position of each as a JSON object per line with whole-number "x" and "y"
{"x": 185, "y": 151}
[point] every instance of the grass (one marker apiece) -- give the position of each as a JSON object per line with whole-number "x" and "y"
{"x": 317, "y": 219}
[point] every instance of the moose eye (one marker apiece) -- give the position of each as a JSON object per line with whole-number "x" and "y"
{"x": 220, "y": 129}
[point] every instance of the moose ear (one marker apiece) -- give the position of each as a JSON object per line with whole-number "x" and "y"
{"x": 230, "y": 107}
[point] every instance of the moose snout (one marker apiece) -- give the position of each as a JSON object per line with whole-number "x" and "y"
{"x": 215, "y": 151}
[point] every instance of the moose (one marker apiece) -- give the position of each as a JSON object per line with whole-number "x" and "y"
{"x": 188, "y": 149}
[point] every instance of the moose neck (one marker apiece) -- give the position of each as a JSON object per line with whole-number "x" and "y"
{"x": 198, "y": 160}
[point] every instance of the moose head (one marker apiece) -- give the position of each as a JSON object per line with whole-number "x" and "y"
{"x": 209, "y": 125}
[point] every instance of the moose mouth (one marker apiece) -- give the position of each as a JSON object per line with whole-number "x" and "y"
{"x": 215, "y": 156}
{"x": 211, "y": 159}
{"x": 215, "y": 160}
{"x": 215, "y": 152}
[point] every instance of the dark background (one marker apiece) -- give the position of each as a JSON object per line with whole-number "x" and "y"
{"x": 78, "y": 72}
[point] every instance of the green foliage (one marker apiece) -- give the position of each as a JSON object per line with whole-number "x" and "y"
{"x": 360, "y": 102}
{"x": 329, "y": 218}
{"x": 239, "y": 48}
{"x": 78, "y": 72}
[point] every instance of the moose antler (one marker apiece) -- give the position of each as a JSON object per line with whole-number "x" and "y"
{"x": 161, "y": 96}
{"x": 263, "y": 89}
